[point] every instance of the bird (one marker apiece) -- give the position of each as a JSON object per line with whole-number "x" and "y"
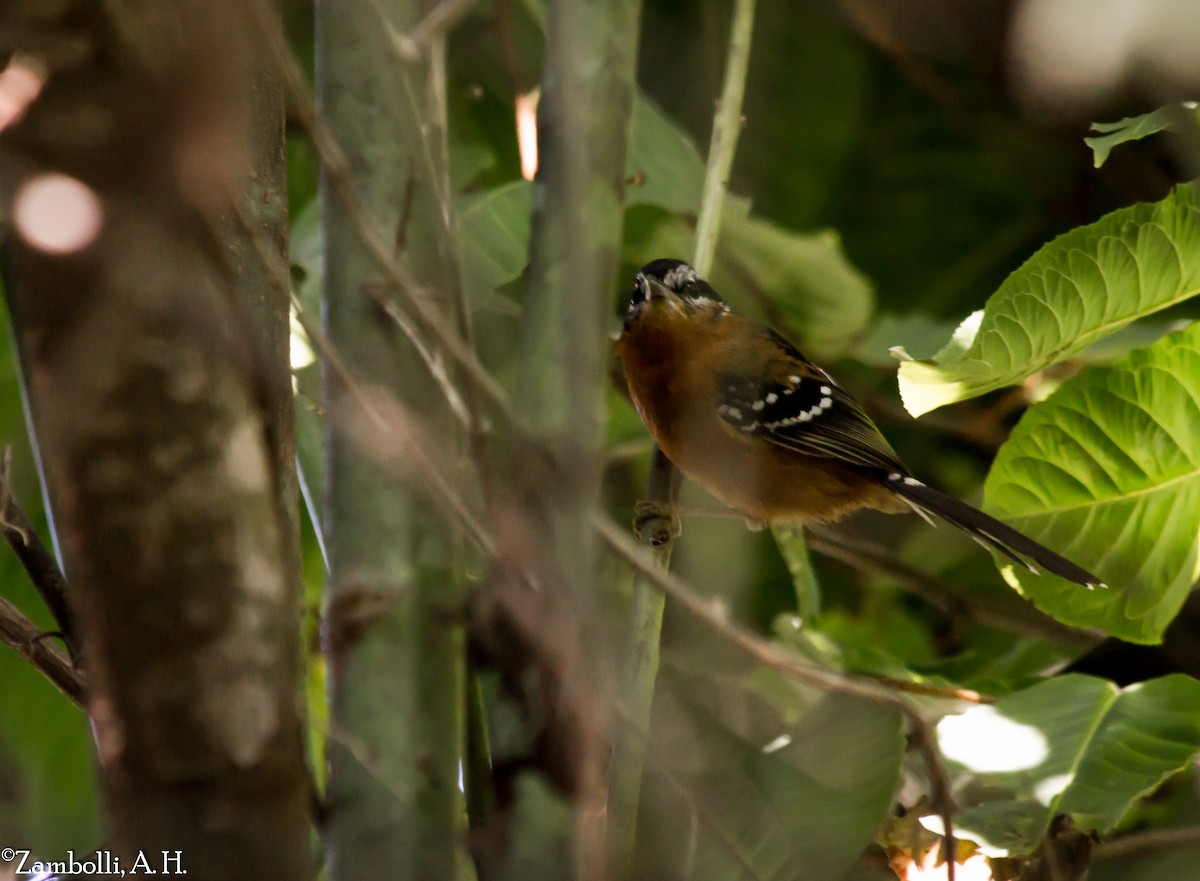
{"x": 737, "y": 408}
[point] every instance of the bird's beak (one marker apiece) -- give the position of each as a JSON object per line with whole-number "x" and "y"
{"x": 657, "y": 291}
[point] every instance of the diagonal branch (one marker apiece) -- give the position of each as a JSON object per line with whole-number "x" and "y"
{"x": 788, "y": 663}
{"x": 23, "y": 637}
{"x": 39, "y": 564}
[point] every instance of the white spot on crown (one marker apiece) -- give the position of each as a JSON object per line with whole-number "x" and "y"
{"x": 676, "y": 278}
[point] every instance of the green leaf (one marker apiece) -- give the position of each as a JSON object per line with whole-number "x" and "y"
{"x": 664, "y": 167}
{"x": 753, "y": 779}
{"x": 816, "y": 293}
{"x": 1107, "y": 472}
{"x": 1071, "y": 745}
{"x": 1077, "y": 289}
{"x": 494, "y": 228}
{"x": 1134, "y": 128}
{"x": 469, "y": 161}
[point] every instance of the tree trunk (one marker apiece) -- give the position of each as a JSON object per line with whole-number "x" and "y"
{"x": 152, "y": 347}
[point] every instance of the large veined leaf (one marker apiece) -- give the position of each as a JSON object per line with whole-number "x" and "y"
{"x": 1073, "y": 745}
{"x": 750, "y": 781}
{"x": 1107, "y": 472}
{"x": 1077, "y": 289}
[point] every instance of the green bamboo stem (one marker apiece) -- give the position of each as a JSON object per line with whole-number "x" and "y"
{"x": 645, "y": 627}
{"x": 396, "y": 671}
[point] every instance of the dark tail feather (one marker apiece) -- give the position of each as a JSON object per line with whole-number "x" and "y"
{"x": 989, "y": 531}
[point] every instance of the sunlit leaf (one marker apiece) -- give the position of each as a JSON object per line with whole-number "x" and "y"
{"x": 1133, "y": 128}
{"x": 1077, "y": 289}
{"x": 1107, "y": 472}
{"x": 1071, "y": 745}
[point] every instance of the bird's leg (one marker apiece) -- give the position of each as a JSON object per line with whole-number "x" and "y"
{"x": 646, "y": 511}
{"x": 661, "y": 518}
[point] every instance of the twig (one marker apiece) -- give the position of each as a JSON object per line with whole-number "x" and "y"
{"x": 434, "y": 26}
{"x": 35, "y": 558}
{"x": 868, "y": 557}
{"x": 641, "y": 659}
{"x": 324, "y": 346}
{"x": 413, "y": 295}
{"x": 450, "y": 243}
{"x": 727, "y": 126}
{"x": 1140, "y": 842}
{"x": 23, "y": 637}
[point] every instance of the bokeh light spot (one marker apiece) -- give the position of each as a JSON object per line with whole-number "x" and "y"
{"x": 57, "y": 214}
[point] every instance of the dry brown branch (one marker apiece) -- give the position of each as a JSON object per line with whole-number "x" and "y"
{"x": 23, "y": 637}
{"x": 35, "y": 558}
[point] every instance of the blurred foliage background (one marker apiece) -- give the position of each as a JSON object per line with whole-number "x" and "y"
{"x": 884, "y": 158}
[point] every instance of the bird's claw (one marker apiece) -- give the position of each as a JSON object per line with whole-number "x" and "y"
{"x": 656, "y": 522}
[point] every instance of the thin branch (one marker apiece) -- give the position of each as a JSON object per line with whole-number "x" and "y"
{"x": 433, "y": 27}
{"x": 641, "y": 660}
{"x": 869, "y": 557}
{"x": 787, "y": 662}
{"x": 645, "y": 626}
{"x": 325, "y": 348}
{"x": 35, "y": 558}
{"x": 727, "y": 126}
{"x": 414, "y": 297}
{"x": 1140, "y": 842}
{"x": 23, "y": 637}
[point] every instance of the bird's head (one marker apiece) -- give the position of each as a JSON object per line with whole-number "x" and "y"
{"x": 666, "y": 289}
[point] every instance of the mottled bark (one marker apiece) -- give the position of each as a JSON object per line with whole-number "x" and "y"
{"x": 152, "y": 357}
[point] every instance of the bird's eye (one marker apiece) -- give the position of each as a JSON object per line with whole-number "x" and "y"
{"x": 641, "y": 290}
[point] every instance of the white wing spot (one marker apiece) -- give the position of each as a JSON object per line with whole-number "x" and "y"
{"x": 805, "y": 416}
{"x": 894, "y": 476}
{"x": 758, "y": 405}
{"x": 793, "y": 379}
{"x": 826, "y": 403}
{"x": 734, "y": 412}
{"x": 826, "y": 390}
{"x": 772, "y": 398}
{"x": 911, "y": 481}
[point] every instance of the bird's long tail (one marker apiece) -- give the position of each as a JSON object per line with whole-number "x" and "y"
{"x": 989, "y": 531}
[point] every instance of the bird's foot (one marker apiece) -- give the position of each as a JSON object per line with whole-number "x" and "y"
{"x": 656, "y": 522}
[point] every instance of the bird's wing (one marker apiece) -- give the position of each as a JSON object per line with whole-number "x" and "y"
{"x": 798, "y": 406}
